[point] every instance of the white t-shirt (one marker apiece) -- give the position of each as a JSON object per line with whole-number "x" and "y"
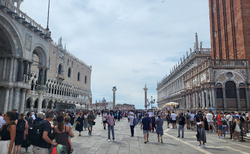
{"x": 173, "y": 116}
{"x": 131, "y": 120}
{"x": 209, "y": 117}
{"x": 192, "y": 117}
{"x": 104, "y": 116}
{"x": 229, "y": 117}
{"x": 2, "y": 121}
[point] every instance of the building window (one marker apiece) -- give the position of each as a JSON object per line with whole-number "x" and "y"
{"x": 60, "y": 69}
{"x": 79, "y": 76}
{"x": 85, "y": 81}
{"x": 230, "y": 89}
{"x": 69, "y": 72}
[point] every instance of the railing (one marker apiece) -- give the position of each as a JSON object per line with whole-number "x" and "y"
{"x": 237, "y": 62}
{"x": 21, "y": 15}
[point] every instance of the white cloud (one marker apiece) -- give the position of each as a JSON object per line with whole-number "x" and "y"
{"x": 130, "y": 43}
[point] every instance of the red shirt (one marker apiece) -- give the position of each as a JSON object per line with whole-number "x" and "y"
{"x": 219, "y": 119}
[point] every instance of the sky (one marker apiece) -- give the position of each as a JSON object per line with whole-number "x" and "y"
{"x": 129, "y": 43}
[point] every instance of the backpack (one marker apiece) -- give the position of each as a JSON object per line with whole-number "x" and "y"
{"x": 35, "y": 133}
{"x": 135, "y": 122}
{"x": 20, "y": 127}
{"x": 187, "y": 116}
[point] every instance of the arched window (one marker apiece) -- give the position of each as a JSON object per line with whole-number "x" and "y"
{"x": 79, "y": 76}
{"x": 60, "y": 69}
{"x": 230, "y": 89}
{"x": 85, "y": 80}
{"x": 69, "y": 72}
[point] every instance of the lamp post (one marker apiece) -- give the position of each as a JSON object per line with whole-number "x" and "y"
{"x": 114, "y": 90}
{"x": 145, "y": 90}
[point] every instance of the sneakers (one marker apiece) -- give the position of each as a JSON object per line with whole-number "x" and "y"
{"x": 199, "y": 144}
{"x": 114, "y": 140}
{"x": 203, "y": 146}
{"x": 109, "y": 140}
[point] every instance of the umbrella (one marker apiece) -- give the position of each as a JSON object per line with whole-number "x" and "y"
{"x": 172, "y": 103}
{"x": 211, "y": 108}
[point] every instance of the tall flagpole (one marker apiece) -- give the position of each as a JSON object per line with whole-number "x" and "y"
{"x": 48, "y": 16}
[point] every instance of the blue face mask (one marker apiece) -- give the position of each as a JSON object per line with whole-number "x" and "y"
{"x": 108, "y": 113}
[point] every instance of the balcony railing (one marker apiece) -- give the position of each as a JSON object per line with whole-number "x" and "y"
{"x": 24, "y": 18}
{"x": 231, "y": 62}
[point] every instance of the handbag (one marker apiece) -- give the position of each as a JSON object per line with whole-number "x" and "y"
{"x": 237, "y": 128}
{"x": 26, "y": 143}
{"x": 93, "y": 123}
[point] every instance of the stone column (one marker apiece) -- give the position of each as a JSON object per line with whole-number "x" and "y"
{"x": 238, "y": 97}
{"x": 16, "y": 98}
{"x": 203, "y": 99}
{"x": 32, "y": 105}
{"x": 114, "y": 90}
{"x": 247, "y": 98}
{"x": 6, "y": 100}
{"x": 15, "y": 70}
{"x": 145, "y": 90}
{"x": 206, "y": 97}
{"x": 11, "y": 69}
{"x": 224, "y": 98}
{"x": 10, "y": 99}
{"x": 4, "y": 69}
{"x": 23, "y": 98}
{"x": 213, "y": 97}
{"x": 40, "y": 101}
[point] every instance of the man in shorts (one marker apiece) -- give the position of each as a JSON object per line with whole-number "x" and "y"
{"x": 173, "y": 118}
{"x": 219, "y": 123}
{"x": 210, "y": 121}
{"x": 145, "y": 125}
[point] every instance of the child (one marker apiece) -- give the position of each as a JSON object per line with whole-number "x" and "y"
{"x": 67, "y": 122}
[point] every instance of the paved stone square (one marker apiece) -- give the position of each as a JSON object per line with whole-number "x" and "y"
{"x": 124, "y": 144}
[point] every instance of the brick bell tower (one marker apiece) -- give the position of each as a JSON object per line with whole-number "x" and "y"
{"x": 230, "y": 29}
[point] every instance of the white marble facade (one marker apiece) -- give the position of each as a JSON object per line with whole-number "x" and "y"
{"x": 30, "y": 63}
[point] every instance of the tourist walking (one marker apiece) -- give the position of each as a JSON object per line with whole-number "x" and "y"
{"x": 210, "y": 121}
{"x": 219, "y": 123}
{"x": 21, "y": 132}
{"x": 201, "y": 136}
{"x": 236, "y": 128}
{"x": 44, "y": 141}
{"x": 153, "y": 122}
{"x": 168, "y": 118}
{"x": 131, "y": 118}
{"x": 91, "y": 122}
{"x": 111, "y": 124}
{"x": 173, "y": 119}
{"x": 159, "y": 128}
{"x": 62, "y": 133}
{"x": 8, "y": 133}
{"x": 145, "y": 126}
{"x": 79, "y": 125}
{"x": 85, "y": 121}
{"x": 181, "y": 125}
{"x": 187, "y": 117}
{"x": 104, "y": 119}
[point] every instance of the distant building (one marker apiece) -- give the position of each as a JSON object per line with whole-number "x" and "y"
{"x": 102, "y": 105}
{"x": 172, "y": 88}
{"x": 125, "y": 106}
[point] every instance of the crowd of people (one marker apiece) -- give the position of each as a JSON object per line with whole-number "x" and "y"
{"x": 48, "y": 130}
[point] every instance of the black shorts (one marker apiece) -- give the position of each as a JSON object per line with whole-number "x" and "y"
{"x": 105, "y": 121}
{"x": 174, "y": 121}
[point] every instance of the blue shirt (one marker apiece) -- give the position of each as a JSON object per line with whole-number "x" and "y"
{"x": 146, "y": 121}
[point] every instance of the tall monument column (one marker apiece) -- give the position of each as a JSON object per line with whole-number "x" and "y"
{"x": 114, "y": 90}
{"x": 145, "y": 90}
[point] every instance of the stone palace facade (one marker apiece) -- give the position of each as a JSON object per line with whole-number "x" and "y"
{"x": 37, "y": 73}
{"x": 222, "y": 78}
